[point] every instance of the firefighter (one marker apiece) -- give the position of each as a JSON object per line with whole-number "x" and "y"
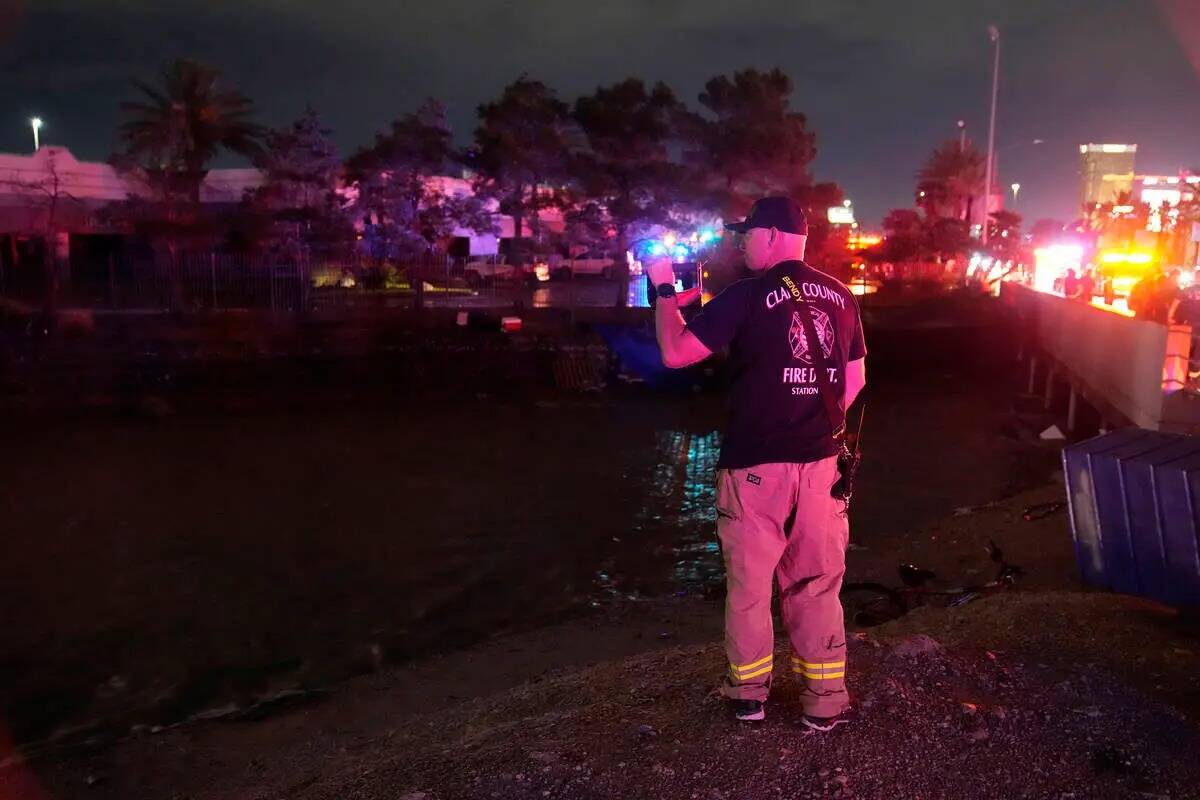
{"x": 776, "y": 517}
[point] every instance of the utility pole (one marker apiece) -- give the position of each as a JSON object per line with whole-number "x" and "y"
{"x": 994, "y": 35}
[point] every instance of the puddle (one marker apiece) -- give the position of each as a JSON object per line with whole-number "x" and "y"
{"x": 677, "y": 517}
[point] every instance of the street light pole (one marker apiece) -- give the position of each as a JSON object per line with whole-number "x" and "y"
{"x": 1005, "y": 149}
{"x": 36, "y": 124}
{"x": 994, "y": 34}
{"x": 1016, "y": 187}
{"x": 962, "y": 135}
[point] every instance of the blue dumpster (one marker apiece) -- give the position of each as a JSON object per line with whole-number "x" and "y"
{"x": 1134, "y": 498}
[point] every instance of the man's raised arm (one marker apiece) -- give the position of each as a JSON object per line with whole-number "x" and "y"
{"x": 679, "y": 346}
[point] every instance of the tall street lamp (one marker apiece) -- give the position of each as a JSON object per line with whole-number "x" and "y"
{"x": 36, "y": 124}
{"x": 1016, "y": 187}
{"x": 1006, "y": 148}
{"x": 994, "y": 35}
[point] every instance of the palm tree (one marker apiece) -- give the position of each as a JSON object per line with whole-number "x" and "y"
{"x": 1118, "y": 221}
{"x": 1181, "y": 236}
{"x": 950, "y": 180}
{"x": 175, "y": 131}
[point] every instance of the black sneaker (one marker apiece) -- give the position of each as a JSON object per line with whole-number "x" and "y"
{"x": 749, "y": 710}
{"x": 825, "y": 724}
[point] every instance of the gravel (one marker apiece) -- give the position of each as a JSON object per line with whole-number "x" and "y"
{"x": 988, "y": 711}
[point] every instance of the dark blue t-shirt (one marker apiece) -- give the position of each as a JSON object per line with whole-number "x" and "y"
{"x": 776, "y": 414}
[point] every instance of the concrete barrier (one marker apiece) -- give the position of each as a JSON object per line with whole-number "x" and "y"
{"x": 1135, "y": 367}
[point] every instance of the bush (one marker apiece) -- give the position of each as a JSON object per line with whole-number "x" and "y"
{"x": 331, "y": 276}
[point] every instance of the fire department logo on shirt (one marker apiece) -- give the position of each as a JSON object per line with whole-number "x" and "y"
{"x": 799, "y": 341}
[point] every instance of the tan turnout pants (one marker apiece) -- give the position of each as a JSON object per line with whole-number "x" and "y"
{"x": 778, "y": 521}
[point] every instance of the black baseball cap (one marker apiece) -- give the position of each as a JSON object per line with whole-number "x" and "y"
{"x": 780, "y": 213}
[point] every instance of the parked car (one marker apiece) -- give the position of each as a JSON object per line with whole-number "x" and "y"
{"x": 489, "y": 269}
{"x": 587, "y": 263}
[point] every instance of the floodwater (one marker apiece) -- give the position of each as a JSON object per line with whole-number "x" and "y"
{"x": 154, "y": 568}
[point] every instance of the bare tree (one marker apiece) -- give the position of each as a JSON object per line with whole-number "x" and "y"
{"x": 47, "y": 197}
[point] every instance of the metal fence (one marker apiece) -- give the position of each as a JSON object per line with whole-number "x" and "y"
{"x": 219, "y": 282}
{"x": 212, "y": 281}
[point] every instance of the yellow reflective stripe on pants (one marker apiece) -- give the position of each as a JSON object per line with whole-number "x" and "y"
{"x": 759, "y": 663}
{"x": 810, "y": 665}
{"x": 765, "y": 665}
{"x": 755, "y": 674}
{"x": 818, "y": 676}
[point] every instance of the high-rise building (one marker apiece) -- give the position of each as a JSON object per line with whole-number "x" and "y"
{"x": 1106, "y": 170}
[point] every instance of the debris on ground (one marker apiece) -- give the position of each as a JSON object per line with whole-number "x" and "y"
{"x": 918, "y": 646}
{"x": 1042, "y": 510}
{"x": 1043, "y": 694}
{"x": 966, "y": 511}
{"x": 1053, "y": 434}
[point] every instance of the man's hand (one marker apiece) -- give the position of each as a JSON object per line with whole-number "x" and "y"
{"x": 660, "y": 270}
{"x": 679, "y": 346}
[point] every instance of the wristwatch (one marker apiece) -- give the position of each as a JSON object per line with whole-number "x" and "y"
{"x": 665, "y": 290}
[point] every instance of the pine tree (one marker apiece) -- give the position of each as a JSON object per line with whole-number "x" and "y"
{"x": 410, "y": 212}
{"x": 627, "y": 167}
{"x": 299, "y": 196}
{"x": 520, "y": 153}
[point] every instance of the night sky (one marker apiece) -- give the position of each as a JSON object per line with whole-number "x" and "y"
{"x": 881, "y": 81}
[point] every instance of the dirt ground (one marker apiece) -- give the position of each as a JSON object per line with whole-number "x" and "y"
{"x": 1037, "y": 693}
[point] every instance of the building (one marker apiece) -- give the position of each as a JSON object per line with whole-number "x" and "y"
{"x": 52, "y": 190}
{"x": 470, "y": 243}
{"x": 1162, "y": 194}
{"x": 52, "y": 181}
{"x": 1106, "y": 171}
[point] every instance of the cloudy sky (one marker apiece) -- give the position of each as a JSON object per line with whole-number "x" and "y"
{"x": 881, "y": 81}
